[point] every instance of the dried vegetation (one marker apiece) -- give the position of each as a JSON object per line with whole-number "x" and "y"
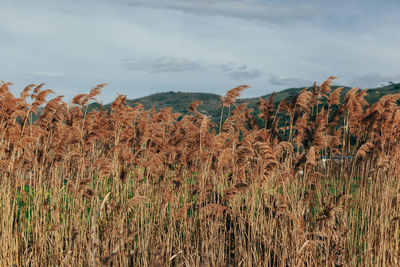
{"x": 135, "y": 187}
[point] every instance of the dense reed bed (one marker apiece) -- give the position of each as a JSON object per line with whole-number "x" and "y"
{"x": 135, "y": 187}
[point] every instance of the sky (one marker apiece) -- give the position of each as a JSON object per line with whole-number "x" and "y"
{"x": 141, "y": 47}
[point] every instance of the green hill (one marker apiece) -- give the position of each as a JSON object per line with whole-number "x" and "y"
{"x": 180, "y": 101}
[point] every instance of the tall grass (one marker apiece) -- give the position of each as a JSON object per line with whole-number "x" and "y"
{"x": 132, "y": 187}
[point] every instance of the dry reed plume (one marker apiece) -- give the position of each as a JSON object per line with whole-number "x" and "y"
{"x": 313, "y": 181}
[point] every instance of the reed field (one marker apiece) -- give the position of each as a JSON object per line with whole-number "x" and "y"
{"x": 313, "y": 181}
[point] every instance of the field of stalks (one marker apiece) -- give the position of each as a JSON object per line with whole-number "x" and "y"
{"x": 313, "y": 181}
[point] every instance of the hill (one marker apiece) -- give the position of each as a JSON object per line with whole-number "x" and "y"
{"x": 180, "y": 101}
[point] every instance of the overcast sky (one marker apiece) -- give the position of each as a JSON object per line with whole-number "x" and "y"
{"x": 140, "y": 47}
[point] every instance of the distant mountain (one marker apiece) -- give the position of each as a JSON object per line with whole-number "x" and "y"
{"x": 180, "y": 101}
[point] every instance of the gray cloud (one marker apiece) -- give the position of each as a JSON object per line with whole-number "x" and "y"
{"x": 283, "y": 81}
{"x": 161, "y": 65}
{"x": 276, "y": 13}
{"x": 238, "y": 72}
{"x": 228, "y": 67}
{"x": 373, "y": 79}
{"x": 172, "y": 64}
{"x": 247, "y": 75}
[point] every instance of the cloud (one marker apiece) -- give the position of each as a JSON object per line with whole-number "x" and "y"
{"x": 45, "y": 74}
{"x": 173, "y": 64}
{"x": 161, "y": 65}
{"x": 277, "y": 13}
{"x": 247, "y": 75}
{"x": 279, "y": 80}
{"x": 374, "y": 79}
{"x": 238, "y": 73}
{"x": 227, "y": 67}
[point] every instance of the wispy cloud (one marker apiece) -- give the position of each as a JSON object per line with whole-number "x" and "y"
{"x": 161, "y": 65}
{"x": 238, "y": 72}
{"x": 284, "y": 81}
{"x": 246, "y": 75}
{"x": 227, "y": 67}
{"x": 173, "y": 64}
